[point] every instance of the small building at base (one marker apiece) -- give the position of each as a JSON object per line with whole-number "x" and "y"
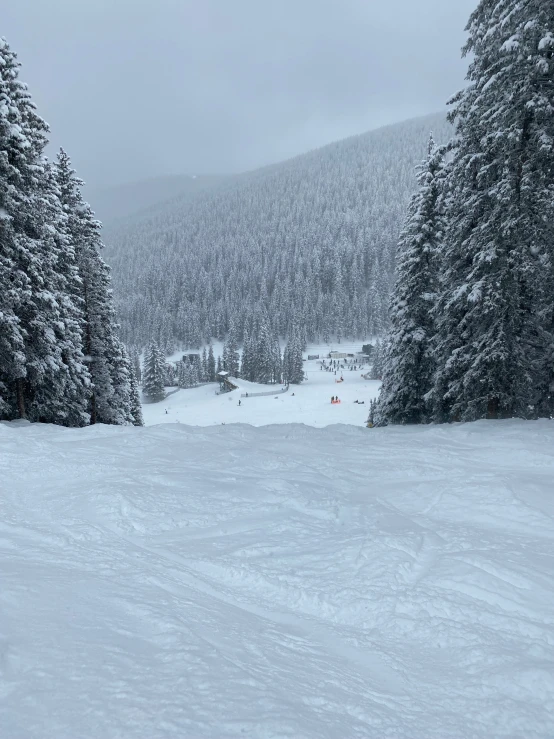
{"x": 339, "y": 355}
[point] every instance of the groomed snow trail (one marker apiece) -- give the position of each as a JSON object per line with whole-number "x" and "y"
{"x": 273, "y": 582}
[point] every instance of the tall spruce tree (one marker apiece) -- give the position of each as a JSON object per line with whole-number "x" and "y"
{"x": 153, "y": 374}
{"x": 109, "y": 366}
{"x": 264, "y": 359}
{"x": 277, "y": 360}
{"x": 22, "y": 141}
{"x": 231, "y": 356}
{"x": 408, "y": 365}
{"x": 57, "y": 383}
{"x": 371, "y": 418}
{"x": 248, "y": 356}
{"x": 42, "y": 373}
{"x": 211, "y": 364}
{"x": 135, "y": 363}
{"x": 293, "y": 369}
{"x": 16, "y": 162}
{"x": 181, "y": 375}
{"x": 136, "y": 407}
{"x": 495, "y": 316}
{"x": 204, "y": 366}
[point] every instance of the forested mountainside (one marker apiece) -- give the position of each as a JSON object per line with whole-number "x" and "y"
{"x": 309, "y": 241}
{"x": 117, "y": 202}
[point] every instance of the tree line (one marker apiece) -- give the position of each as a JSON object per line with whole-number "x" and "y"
{"x": 310, "y": 242}
{"x": 61, "y": 360}
{"x": 259, "y": 361}
{"x": 472, "y": 312}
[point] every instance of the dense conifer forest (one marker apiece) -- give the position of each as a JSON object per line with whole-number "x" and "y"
{"x": 472, "y": 316}
{"x": 309, "y": 242}
{"x": 61, "y": 360}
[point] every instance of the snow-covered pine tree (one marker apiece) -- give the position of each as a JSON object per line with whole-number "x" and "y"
{"x": 277, "y": 361}
{"x": 293, "y": 369}
{"x": 248, "y": 357}
{"x": 31, "y": 295}
{"x": 286, "y": 358}
{"x": 42, "y": 373}
{"x": 303, "y": 335}
{"x": 123, "y": 411}
{"x": 371, "y": 419}
{"x": 136, "y": 366}
{"x": 153, "y": 374}
{"x": 231, "y": 356}
{"x": 204, "y": 366}
{"x": 408, "y": 365}
{"x": 219, "y": 365}
{"x": 58, "y": 381}
{"x": 186, "y": 375}
{"x": 196, "y": 362}
{"x": 211, "y": 364}
{"x": 181, "y": 376}
{"x": 169, "y": 374}
{"x": 195, "y": 378}
{"x": 535, "y": 191}
{"x": 136, "y": 407}
{"x": 264, "y": 360}
{"x": 16, "y": 163}
{"x": 494, "y": 317}
{"x": 377, "y": 360}
{"x": 190, "y": 375}
{"x": 110, "y": 396}
{"x": 244, "y": 358}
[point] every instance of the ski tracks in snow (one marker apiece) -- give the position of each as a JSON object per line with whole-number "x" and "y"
{"x": 279, "y": 581}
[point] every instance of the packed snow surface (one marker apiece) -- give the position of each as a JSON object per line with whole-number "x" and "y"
{"x": 308, "y": 403}
{"x": 281, "y": 581}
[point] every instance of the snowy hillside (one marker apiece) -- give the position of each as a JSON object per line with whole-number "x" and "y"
{"x": 312, "y": 240}
{"x": 274, "y": 582}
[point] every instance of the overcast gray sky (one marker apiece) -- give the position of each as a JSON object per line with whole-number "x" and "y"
{"x": 136, "y": 88}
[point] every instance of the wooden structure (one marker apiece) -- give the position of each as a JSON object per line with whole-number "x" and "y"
{"x": 225, "y": 384}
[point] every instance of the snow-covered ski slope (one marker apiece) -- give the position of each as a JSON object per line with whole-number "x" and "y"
{"x": 283, "y": 581}
{"x": 308, "y": 403}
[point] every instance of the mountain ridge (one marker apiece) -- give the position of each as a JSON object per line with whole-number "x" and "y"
{"x": 308, "y": 240}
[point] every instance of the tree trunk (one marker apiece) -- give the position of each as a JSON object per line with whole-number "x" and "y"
{"x": 20, "y": 388}
{"x": 492, "y": 409}
{"x": 88, "y": 352}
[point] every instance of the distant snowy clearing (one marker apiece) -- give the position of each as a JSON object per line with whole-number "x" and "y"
{"x": 277, "y": 582}
{"x": 308, "y": 403}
